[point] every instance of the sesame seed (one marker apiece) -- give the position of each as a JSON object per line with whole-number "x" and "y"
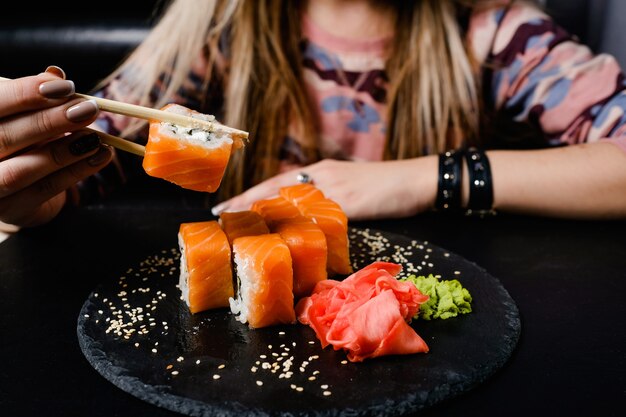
{"x": 216, "y": 376}
{"x": 281, "y": 333}
{"x": 169, "y": 366}
{"x": 344, "y": 362}
{"x": 326, "y": 393}
{"x": 222, "y": 366}
{"x": 154, "y": 351}
{"x": 198, "y": 362}
{"x": 259, "y": 383}
{"x": 325, "y": 386}
{"x": 174, "y": 373}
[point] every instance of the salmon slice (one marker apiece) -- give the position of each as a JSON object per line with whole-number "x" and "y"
{"x": 265, "y": 281}
{"x": 275, "y": 209}
{"x": 191, "y": 158}
{"x": 242, "y": 223}
{"x": 331, "y": 219}
{"x": 307, "y": 245}
{"x": 301, "y": 194}
{"x": 205, "y": 266}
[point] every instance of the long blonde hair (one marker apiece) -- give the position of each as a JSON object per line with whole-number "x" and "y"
{"x": 433, "y": 98}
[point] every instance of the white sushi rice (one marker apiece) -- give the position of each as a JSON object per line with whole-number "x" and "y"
{"x": 247, "y": 284}
{"x": 209, "y": 139}
{"x": 183, "y": 282}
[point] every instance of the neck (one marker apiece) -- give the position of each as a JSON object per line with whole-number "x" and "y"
{"x": 352, "y": 18}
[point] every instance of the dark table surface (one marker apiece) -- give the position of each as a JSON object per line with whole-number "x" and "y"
{"x": 568, "y": 279}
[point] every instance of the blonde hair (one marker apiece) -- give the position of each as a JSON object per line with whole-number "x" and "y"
{"x": 433, "y": 98}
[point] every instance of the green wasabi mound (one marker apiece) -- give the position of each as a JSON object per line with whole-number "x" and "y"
{"x": 447, "y": 299}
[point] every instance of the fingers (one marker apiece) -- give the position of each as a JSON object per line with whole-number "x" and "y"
{"x": 36, "y": 108}
{"x": 14, "y": 209}
{"x": 266, "y": 189}
{"x": 22, "y": 171}
{"x": 34, "y": 92}
{"x": 21, "y": 131}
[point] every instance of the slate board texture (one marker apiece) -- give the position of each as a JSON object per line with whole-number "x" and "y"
{"x": 138, "y": 334}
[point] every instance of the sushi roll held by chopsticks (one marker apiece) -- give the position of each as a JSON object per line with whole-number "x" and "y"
{"x": 185, "y": 147}
{"x": 192, "y": 157}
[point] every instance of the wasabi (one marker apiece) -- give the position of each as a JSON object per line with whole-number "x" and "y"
{"x": 447, "y": 298}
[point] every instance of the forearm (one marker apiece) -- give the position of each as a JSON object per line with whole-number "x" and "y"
{"x": 582, "y": 181}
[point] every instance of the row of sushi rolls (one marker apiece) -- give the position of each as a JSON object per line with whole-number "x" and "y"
{"x": 275, "y": 263}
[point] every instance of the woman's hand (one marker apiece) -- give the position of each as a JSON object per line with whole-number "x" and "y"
{"x": 365, "y": 190}
{"x": 39, "y": 161}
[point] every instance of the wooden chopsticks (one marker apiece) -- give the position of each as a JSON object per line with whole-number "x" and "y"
{"x": 119, "y": 143}
{"x": 152, "y": 115}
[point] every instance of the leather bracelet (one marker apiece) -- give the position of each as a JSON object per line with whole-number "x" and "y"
{"x": 449, "y": 184}
{"x": 480, "y": 183}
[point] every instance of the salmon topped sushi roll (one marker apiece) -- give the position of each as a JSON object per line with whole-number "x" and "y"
{"x": 332, "y": 220}
{"x": 192, "y": 158}
{"x": 275, "y": 209}
{"x": 264, "y": 295}
{"x": 301, "y": 194}
{"x": 205, "y": 266}
{"x": 307, "y": 245}
{"x": 242, "y": 223}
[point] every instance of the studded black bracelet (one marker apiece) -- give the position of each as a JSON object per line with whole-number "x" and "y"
{"x": 449, "y": 184}
{"x": 480, "y": 182}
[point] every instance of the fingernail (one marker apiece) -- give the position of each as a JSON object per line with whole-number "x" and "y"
{"x": 103, "y": 155}
{"x": 57, "y": 88}
{"x": 216, "y": 210}
{"x": 82, "y": 111}
{"x": 53, "y": 69}
{"x": 84, "y": 144}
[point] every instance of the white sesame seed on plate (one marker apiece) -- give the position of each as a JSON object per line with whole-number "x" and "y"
{"x": 216, "y": 376}
{"x": 259, "y": 383}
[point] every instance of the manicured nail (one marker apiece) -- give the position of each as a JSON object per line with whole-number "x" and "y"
{"x": 103, "y": 155}
{"x": 84, "y": 144}
{"x": 53, "y": 69}
{"x": 57, "y": 88}
{"x": 216, "y": 210}
{"x": 82, "y": 111}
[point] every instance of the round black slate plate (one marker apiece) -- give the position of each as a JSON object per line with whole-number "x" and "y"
{"x": 137, "y": 333}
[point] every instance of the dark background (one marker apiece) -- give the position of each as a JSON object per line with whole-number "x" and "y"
{"x": 88, "y": 41}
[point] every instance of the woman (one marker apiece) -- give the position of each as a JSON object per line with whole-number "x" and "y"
{"x": 363, "y": 97}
